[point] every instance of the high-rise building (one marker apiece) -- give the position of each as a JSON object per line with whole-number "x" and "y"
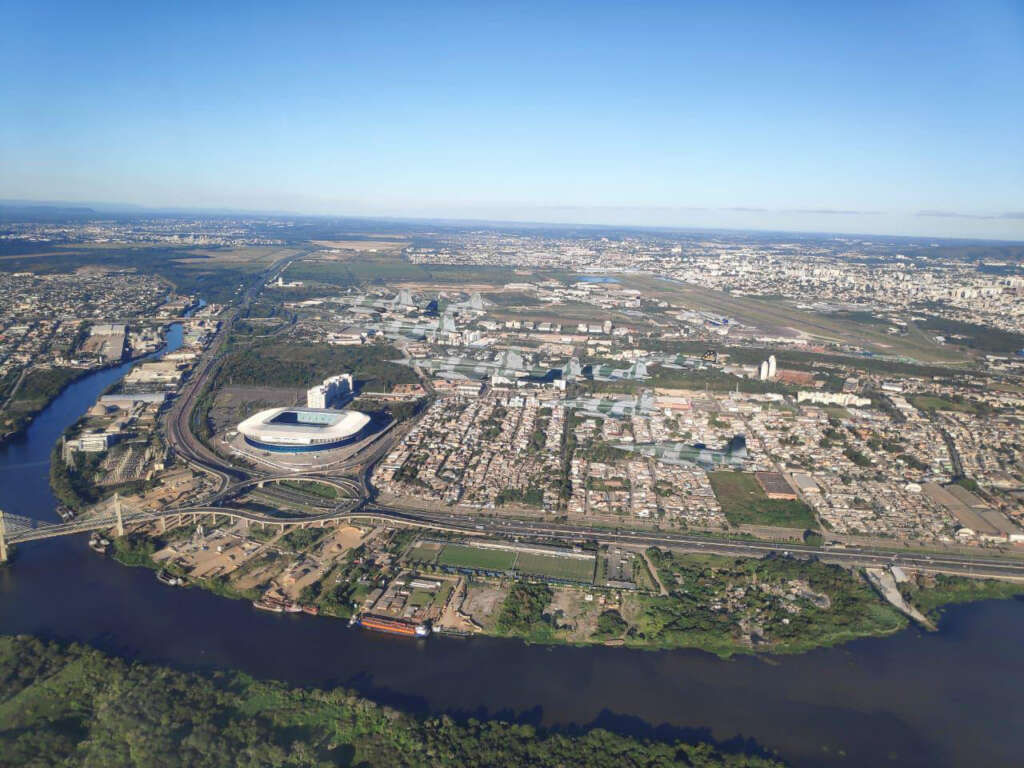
{"x": 333, "y": 392}
{"x": 771, "y": 366}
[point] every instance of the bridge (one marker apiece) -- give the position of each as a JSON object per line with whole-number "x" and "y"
{"x": 345, "y": 485}
{"x": 15, "y": 529}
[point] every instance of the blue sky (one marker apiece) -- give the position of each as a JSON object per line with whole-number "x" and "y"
{"x": 904, "y": 118}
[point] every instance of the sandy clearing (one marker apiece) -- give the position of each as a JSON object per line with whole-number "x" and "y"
{"x": 483, "y": 603}
{"x": 345, "y": 538}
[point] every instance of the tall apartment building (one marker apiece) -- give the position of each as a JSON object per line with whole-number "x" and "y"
{"x": 332, "y": 393}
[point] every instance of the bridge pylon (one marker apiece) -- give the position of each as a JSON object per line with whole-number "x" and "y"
{"x": 3, "y": 539}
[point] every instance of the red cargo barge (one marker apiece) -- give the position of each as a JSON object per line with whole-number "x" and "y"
{"x": 391, "y": 625}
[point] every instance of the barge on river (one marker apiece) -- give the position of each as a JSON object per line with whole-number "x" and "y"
{"x": 391, "y": 625}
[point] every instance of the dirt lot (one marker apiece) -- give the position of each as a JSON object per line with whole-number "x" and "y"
{"x": 483, "y": 604}
{"x": 233, "y": 404}
{"x": 299, "y": 576}
{"x": 454, "y": 618}
{"x": 265, "y": 572}
{"x": 177, "y": 485}
{"x": 203, "y": 558}
{"x": 576, "y": 611}
{"x": 345, "y": 538}
{"x": 630, "y": 609}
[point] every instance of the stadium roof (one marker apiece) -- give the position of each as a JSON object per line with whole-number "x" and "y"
{"x": 303, "y": 426}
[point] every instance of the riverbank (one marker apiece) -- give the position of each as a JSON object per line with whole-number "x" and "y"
{"x": 932, "y": 596}
{"x": 42, "y": 387}
{"x": 726, "y": 607}
{"x": 73, "y": 705}
{"x": 137, "y": 552}
{"x": 71, "y": 484}
{"x": 779, "y": 606}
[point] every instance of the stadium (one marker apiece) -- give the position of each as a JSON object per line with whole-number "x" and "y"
{"x": 297, "y": 430}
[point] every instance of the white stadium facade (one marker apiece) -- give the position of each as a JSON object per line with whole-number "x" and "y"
{"x": 297, "y": 430}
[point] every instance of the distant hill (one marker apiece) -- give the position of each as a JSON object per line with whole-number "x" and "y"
{"x": 17, "y": 211}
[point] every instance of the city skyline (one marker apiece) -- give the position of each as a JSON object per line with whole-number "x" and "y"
{"x": 867, "y": 120}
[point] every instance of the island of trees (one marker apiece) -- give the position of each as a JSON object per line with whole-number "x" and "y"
{"x": 74, "y": 706}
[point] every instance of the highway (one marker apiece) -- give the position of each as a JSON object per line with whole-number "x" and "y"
{"x": 517, "y": 529}
{"x": 18, "y": 529}
{"x": 179, "y": 430}
{"x": 233, "y": 480}
{"x": 24, "y": 529}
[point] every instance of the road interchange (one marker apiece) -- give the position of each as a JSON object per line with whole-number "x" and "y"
{"x": 351, "y": 477}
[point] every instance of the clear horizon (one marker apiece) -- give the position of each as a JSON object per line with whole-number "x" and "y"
{"x": 866, "y": 119}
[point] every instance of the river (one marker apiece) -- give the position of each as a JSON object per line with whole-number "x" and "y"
{"x": 953, "y": 697}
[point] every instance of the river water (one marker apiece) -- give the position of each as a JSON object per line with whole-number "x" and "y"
{"x": 952, "y": 697}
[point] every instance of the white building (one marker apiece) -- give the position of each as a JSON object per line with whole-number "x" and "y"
{"x": 831, "y": 398}
{"x": 333, "y": 392}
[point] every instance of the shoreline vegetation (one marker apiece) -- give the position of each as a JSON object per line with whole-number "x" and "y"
{"x": 719, "y": 605}
{"x": 39, "y": 389}
{"x": 933, "y": 596}
{"x": 73, "y": 705}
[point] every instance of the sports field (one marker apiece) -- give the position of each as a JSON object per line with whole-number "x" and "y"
{"x": 423, "y": 552}
{"x": 462, "y": 556}
{"x": 554, "y": 567}
{"x": 935, "y": 403}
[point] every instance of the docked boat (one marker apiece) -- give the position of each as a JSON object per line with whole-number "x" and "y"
{"x": 391, "y": 625}
{"x": 264, "y": 604}
{"x": 169, "y": 579}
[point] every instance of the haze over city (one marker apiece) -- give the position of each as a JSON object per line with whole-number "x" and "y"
{"x": 866, "y": 118}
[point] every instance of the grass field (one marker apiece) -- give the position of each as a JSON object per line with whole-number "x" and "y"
{"x": 420, "y": 598}
{"x": 316, "y": 489}
{"x": 423, "y": 553}
{"x": 389, "y": 269}
{"x": 462, "y": 556}
{"x": 745, "y": 502}
{"x": 934, "y": 403}
{"x": 552, "y": 566}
